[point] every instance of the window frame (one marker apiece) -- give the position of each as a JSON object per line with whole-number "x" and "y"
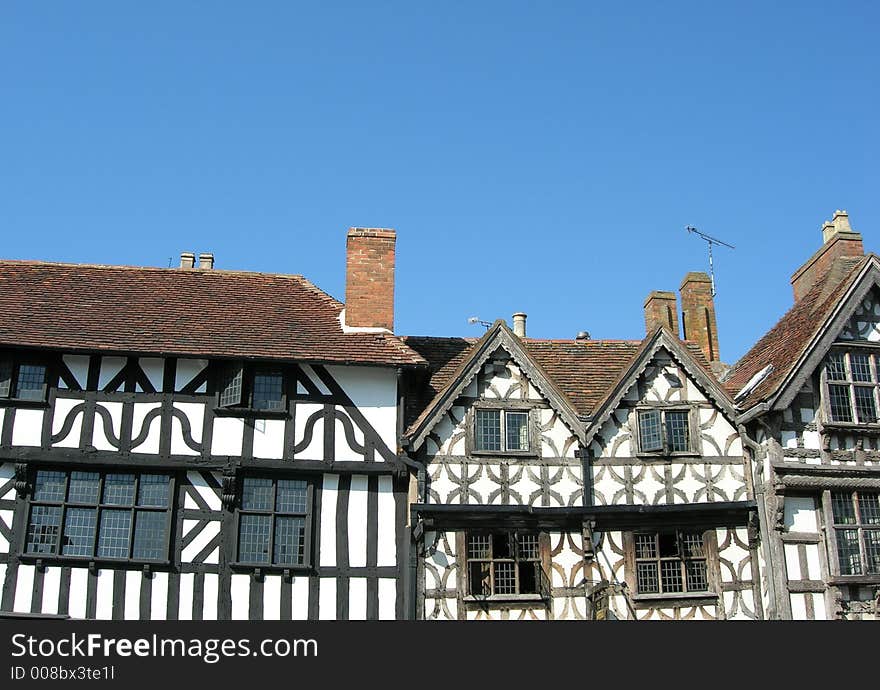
{"x": 542, "y": 562}
{"x": 503, "y": 407}
{"x": 247, "y": 373}
{"x": 858, "y": 526}
{"x": 15, "y": 361}
{"x": 59, "y": 558}
{"x": 693, "y": 447}
{"x": 709, "y": 558}
{"x": 308, "y": 552}
{"x": 851, "y": 384}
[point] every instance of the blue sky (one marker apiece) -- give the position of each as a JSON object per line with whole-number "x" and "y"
{"x": 542, "y": 157}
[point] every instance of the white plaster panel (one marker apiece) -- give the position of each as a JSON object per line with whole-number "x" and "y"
{"x": 24, "y": 588}
{"x": 387, "y": 530}
{"x": 792, "y": 562}
{"x": 272, "y": 598}
{"x": 228, "y": 436}
{"x": 195, "y": 414}
{"x": 205, "y": 491}
{"x": 800, "y": 514}
{"x": 104, "y": 595}
{"x": 154, "y": 369}
{"x": 185, "y": 600}
{"x": 178, "y": 444}
{"x": 240, "y": 592}
{"x": 374, "y": 391}
{"x": 315, "y": 449}
{"x": 139, "y": 414}
{"x": 689, "y": 484}
{"x": 811, "y": 440}
{"x": 799, "y": 607}
{"x": 187, "y": 370}
{"x": 79, "y": 579}
{"x": 269, "y": 438}
{"x": 79, "y": 367}
{"x": 387, "y": 599}
{"x": 28, "y": 427}
{"x": 818, "y": 607}
{"x": 358, "y": 521}
{"x": 110, "y": 367}
{"x": 357, "y": 599}
{"x": 211, "y": 530}
{"x": 812, "y": 553}
{"x": 329, "y": 492}
{"x": 51, "y": 591}
{"x": 209, "y": 608}
{"x": 299, "y": 595}
{"x": 6, "y": 519}
{"x": 327, "y": 599}
{"x": 60, "y": 411}
{"x": 132, "y": 608}
{"x": 100, "y": 439}
{"x": 7, "y": 473}
{"x": 342, "y": 450}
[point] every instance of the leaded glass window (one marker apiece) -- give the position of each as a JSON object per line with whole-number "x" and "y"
{"x": 273, "y": 522}
{"x": 22, "y": 380}
{"x": 856, "y": 521}
{"x": 664, "y": 431}
{"x": 670, "y": 562}
{"x": 108, "y": 515}
{"x": 504, "y": 563}
{"x": 251, "y": 387}
{"x": 502, "y": 430}
{"x": 852, "y": 387}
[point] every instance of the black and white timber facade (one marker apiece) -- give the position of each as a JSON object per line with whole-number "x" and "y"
{"x": 199, "y": 444}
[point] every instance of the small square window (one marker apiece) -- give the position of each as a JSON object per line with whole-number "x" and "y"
{"x": 250, "y": 387}
{"x": 664, "y": 431}
{"x": 502, "y": 430}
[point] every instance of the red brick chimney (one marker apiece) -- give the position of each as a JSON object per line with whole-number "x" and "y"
{"x": 839, "y": 240}
{"x": 369, "y": 284}
{"x": 698, "y": 314}
{"x": 661, "y": 309}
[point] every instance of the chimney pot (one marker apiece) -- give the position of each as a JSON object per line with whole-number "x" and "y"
{"x": 206, "y": 261}
{"x": 187, "y": 259}
{"x": 838, "y": 240}
{"x": 369, "y": 283}
{"x": 519, "y": 324}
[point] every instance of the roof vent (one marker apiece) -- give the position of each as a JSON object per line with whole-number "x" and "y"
{"x": 583, "y": 335}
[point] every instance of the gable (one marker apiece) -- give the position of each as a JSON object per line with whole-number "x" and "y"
{"x": 864, "y": 324}
{"x": 498, "y": 367}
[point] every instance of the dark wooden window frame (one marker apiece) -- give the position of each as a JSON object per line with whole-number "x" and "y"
{"x": 58, "y": 558}
{"x": 248, "y": 372}
{"x": 503, "y": 406}
{"x": 543, "y": 562}
{"x": 14, "y": 361}
{"x": 832, "y": 544}
{"x": 693, "y": 430}
{"x": 851, "y": 384}
{"x": 710, "y": 547}
{"x": 308, "y": 554}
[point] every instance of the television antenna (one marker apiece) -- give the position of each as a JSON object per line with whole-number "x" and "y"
{"x": 710, "y": 241}
{"x": 476, "y": 319}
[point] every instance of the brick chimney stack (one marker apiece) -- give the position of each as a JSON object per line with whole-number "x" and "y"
{"x": 369, "y": 284}
{"x": 661, "y": 310}
{"x": 698, "y": 314}
{"x": 839, "y": 239}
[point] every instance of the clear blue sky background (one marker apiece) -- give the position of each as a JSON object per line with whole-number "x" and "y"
{"x": 542, "y": 157}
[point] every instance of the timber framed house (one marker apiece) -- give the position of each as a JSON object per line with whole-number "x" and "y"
{"x": 201, "y": 444}
{"x": 808, "y": 412}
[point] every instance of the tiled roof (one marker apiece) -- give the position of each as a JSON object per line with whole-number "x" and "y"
{"x": 784, "y": 344}
{"x": 584, "y": 370}
{"x": 205, "y": 313}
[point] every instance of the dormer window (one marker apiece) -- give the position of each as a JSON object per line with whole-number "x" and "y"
{"x": 851, "y": 387}
{"x": 664, "y": 432}
{"x": 499, "y": 430}
{"x": 251, "y": 387}
{"x": 22, "y": 380}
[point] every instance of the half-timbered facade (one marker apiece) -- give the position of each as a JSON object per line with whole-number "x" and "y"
{"x": 807, "y": 396}
{"x": 200, "y": 444}
{"x": 579, "y": 480}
